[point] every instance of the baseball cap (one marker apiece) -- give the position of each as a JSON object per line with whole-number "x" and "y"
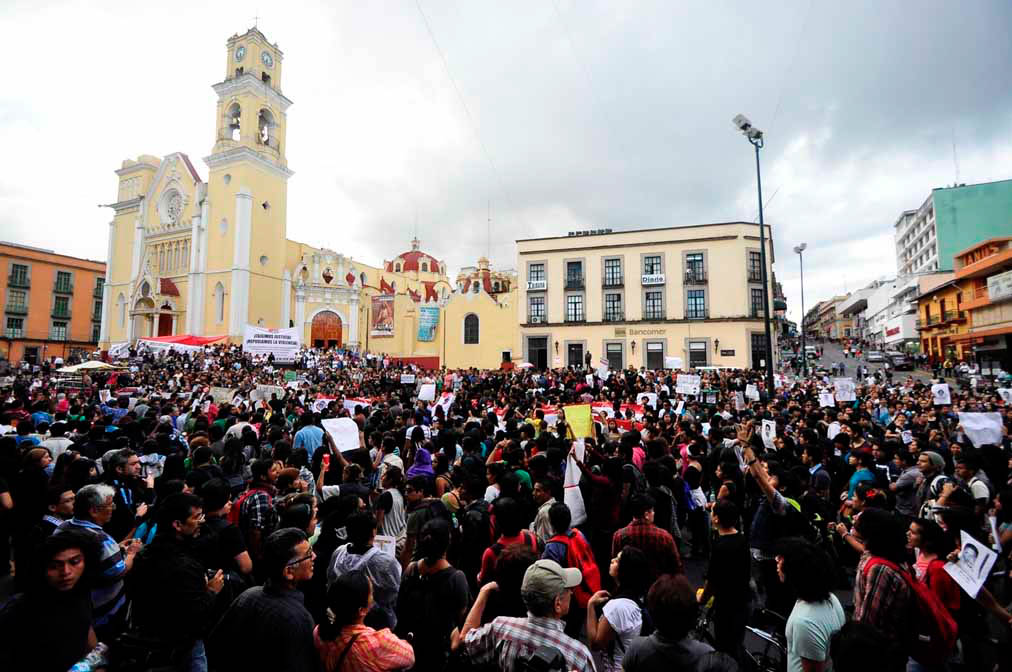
{"x": 550, "y": 578}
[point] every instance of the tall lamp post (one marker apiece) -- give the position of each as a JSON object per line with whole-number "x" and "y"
{"x": 755, "y": 137}
{"x": 799, "y": 249}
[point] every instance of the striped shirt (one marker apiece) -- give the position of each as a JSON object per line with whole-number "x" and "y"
{"x": 507, "y": 638}
{"x": 108, "y": 594}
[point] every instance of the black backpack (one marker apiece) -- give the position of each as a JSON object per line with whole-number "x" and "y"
{"x": 794, "y": 523}
{"x": 475, "y": 536}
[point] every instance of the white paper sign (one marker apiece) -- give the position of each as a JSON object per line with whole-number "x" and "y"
{"x": 1006, "y": 394}
{"x": 386, "y": 544}
{"x": 975, "y": 561}
{"x": 571, "y": 485}
{"x": 590, "y": 379}
{"x": 427, "y": 392}
{"x": 104, "y": 396}
{"x": 407, "y": 379}
{"x": 264, "y": 392}
{"x": 769, "y": 433}
{"x": 752, "y": 392}
{"x": 679, "y": 408}
{"x": 687, "y": 384}
{"x": 739, "y": 401}
{"x": 826, "y": 399}
{"x": 844, "y": 388}
{"x": 832, "y": 430}
{"x": 648, "y": 399}
{"x": 672, "y": 362}
{"x": 982, "y": 428}
{"x": 940, "y": 394}
{"x": 602, "y": 372}
{"x": 344, "y": 431}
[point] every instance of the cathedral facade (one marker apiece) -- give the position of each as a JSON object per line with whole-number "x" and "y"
{"x": 207, "y": 258}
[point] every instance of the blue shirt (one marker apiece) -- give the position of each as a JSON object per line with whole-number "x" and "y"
{"x": 859, "y": 475}
{"x": 309, "y": 437}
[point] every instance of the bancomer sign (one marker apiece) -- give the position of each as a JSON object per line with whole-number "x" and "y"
{"x": 655, "y": 279}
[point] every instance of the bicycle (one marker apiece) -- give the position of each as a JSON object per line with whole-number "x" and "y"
{"x": 771, "y": 654}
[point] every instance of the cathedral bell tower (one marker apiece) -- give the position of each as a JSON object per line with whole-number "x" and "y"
{"x": 247, "y": 193}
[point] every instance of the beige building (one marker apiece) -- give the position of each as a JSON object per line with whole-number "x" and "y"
{"x": 637, "y": 297}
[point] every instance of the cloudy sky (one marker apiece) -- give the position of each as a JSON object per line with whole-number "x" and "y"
{"x": 561, "y": 114}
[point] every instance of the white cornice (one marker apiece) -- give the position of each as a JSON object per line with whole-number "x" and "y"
{"x": 249, "y": 82}
{"x": 127, "y": 205}
{"x": 237, "y": 154}
{"x": 135, "y": 167}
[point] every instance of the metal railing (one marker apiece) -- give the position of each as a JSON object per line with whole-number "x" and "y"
{"x": 574, "y": 281}
{"x": 61, "y": 313}
{"x": 757, "y": 312}
{"x": 99, "y": 291}
{"x": 16, "y": 309}
{"x": 14, "y": 333}
{"x": 612, "y": 281}
{"x": 614, "y": 316}
{"x": 696, "y": 314}
{"x": 575, "y": 317}
{"x": 951, "y": 315}
{"x": 57, "y": 336}
{"x": 64, "y": 288}
{"x": 695, "y": 276}
{"x": 18, "y": 280}
{"x": 654, "y": 315}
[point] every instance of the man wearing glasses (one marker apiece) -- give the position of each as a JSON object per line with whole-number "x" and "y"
{"x": 268, "y": 627}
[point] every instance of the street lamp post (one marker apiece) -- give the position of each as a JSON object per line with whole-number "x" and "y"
{"x": 801, "y": 260}
{"x": 755, "y": 137}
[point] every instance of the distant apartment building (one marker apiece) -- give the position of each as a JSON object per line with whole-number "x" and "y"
{"x": 950, "y": 219}
{"x": 52, "y": 303}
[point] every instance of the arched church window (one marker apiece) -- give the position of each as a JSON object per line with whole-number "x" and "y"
{"x": 471, "y": 329}
{"x": 219, "y": 303}
{"x": 145, "y": 288}
{"x": 425, "y": 267}
{"x": 265, "y": 128}
{"x": 397, "y": 268}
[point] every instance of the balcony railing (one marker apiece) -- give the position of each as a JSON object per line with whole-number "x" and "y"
{"x": 614, "y": 316}
{"x": 575, "y": 317}
{"x": 99, "y": 291}
{"x": 951, "y": 315}
{"x": 696, "y": 314}
{"x": 14, "y": 333}
{"x": 757, "y": 313}
{"x": 64, "y": 288}
{"x": 695, "y": 276}
{"x": 17, "y": 280}
{"x": 16, "y": 309}
{"x": 755, "y": 275}
{"x": 61, "y": 313}
{"x": 614, "y": 281}
{"x": 574, "y": 282}
{"x": 57, "y": 335}
{"x": 654, "y": 315}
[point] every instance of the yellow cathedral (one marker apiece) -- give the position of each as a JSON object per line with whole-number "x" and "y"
{"x": 207, "y": 258}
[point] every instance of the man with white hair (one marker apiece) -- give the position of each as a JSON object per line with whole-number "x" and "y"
{"x": 93, "y": 507}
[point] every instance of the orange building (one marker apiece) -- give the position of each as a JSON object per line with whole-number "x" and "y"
{"x": 986, "y": 270}
{"x": 52, "y": 303}
{"x": 941, "y": 321}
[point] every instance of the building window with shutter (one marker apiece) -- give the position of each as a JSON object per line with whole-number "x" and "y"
{"x": 471, "y": 329}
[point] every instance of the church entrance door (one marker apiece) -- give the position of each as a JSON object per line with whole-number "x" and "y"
{"x": 164, "y": 325}
{"x": 326, "y": 330}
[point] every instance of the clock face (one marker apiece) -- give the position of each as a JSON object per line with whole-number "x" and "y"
{"x": 266, "y": 58}
{"x": 240, "y": 53}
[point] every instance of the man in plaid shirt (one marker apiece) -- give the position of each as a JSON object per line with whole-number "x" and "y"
{"x": 547, "y": 593}
{"x": 257, "y": 515}
{"x": 656, "y": 543}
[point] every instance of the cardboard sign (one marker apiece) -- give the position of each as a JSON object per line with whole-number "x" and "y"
{"x": 974, "y": 565}
{"x": 940, "y": 394}
{"x": 1006, "y": 394}
{"x": 672, "y": 362}
{"x": 845, "y": 389}
{"x": 687, "y": 384}
{"x": 344, "y": 431}
{"x": 579, "y": 420}
{"x": 427, "y": 392}
{"x": 571, "y": 484}
{"x": 739, "y": 401}
{"x": 769, "y": 432}
{"x": 222, "y": 395}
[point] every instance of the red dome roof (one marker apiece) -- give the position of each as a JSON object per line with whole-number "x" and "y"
{"x": 412, "y": 260}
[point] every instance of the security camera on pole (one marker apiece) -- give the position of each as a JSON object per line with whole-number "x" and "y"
{"x": 755, "y": 136}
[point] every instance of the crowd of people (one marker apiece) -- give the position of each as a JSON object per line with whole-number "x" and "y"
{"x": 191, "y": 511}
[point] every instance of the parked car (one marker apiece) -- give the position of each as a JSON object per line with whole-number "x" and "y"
{"x": 875, "y": 356}
{"x": 900, "y": 361}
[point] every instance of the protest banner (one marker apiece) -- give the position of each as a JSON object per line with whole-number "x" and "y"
{"x": 428, "y": 321}
{"x": 982, "y": 428}
{"x": 282, "y": 343}
{"x": 687, "y": 384}
{"x": 427, "y": 392}
{"x": 826, "y": 399}
{"x": 1006, "y": 394}
{"x": 222, "y": 395}
{"x": 752, "y": 392}
{"x": 264, "y": 392}
{"x": 845, "y": 389}
{"x": 739, "y": 401}
{"x": 974, "y": 565}
{"x": 672, "y": 362}
{"x": 381, "y": 320}
{"x": 579, "y": 420}
{"x": 407, "y": 379}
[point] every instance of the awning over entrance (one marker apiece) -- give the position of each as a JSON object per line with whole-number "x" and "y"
{"x": 182, "y": 342}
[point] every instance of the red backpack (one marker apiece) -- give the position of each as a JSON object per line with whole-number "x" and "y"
{"x": 933, "y": 637}
{"x": 233, "y": 514}
{"x": 579, "y": 555}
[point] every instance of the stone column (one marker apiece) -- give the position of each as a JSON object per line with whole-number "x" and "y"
{"x": 239, "y": 304}
{"x": 286, "y": 298}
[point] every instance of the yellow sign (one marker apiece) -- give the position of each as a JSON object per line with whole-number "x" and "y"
{"x": 579, "y": 420}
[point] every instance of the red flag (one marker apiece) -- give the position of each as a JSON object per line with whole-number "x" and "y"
{"x": 430, "y": 292}
{"x": 415, "y": 296}
{"x": 384, "y": 287}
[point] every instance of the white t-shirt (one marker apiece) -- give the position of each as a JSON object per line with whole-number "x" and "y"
{"x": 625, "y": 618}
{"x": 809, "y": 628}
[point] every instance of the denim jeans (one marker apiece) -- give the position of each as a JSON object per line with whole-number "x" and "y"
{"x": 198, "y": 657}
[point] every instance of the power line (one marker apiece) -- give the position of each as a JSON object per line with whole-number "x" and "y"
{"x": 463, "y": 104}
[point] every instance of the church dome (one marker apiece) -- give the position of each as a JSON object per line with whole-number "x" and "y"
{"x": 414, "y": 260}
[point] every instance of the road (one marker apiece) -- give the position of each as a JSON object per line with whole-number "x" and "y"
{"x": 832, "y": 353}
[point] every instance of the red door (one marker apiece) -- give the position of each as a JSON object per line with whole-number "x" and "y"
{"x": 164, "y": 325}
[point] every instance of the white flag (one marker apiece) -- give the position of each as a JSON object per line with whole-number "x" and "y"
{"x": 571, "y": 485}
{"x": 752, "y": 392}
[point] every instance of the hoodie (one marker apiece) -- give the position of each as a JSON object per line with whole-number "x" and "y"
{"x": 382, "y": 569}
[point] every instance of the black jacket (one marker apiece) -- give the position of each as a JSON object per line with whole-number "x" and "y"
{"x": 168, "y": 587}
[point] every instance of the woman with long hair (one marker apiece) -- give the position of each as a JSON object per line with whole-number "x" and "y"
{"x": 342, "y": 639}
{"x": 621, "y": 614}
